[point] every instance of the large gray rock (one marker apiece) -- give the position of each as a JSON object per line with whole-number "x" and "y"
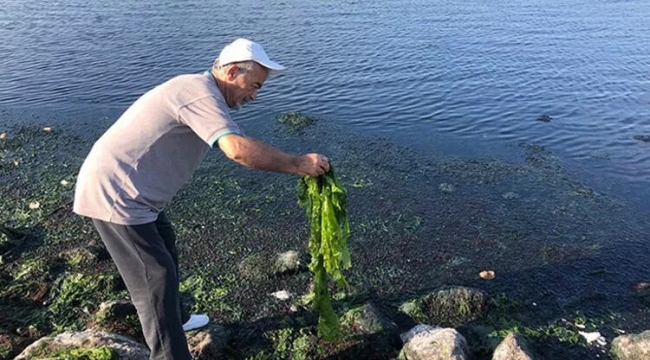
{"x": 424, "y": 342}
{"x": 512, "y": 348}
{"x": 631, "y": 347}
{"x": 125, "y": 348}
{"x": 204, "y": 344}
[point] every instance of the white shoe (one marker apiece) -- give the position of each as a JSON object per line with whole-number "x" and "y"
{"x": 196, "y": 321}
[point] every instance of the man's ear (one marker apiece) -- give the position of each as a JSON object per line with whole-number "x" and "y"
{"x": 232, "y": 71}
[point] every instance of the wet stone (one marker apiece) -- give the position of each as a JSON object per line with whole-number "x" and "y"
{"x": 446, "y": 188}
{"x": 631, "y": 347}
{"x": 124, "y": 347}
{"x": 425, "y": 342}
{"x": 115, "y": 310}
{"x": 367, "y": 319}
{"x": 512, "y": 348}
{"x": 510, "y": 195}
{"x": 118, "y": 316}
{"x": 455, "y": 304}
{"x": 287, "y": 262}
{"x": 207, "y": 343}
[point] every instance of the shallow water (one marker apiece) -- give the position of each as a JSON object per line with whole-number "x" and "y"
{"x": 462, "y": 79}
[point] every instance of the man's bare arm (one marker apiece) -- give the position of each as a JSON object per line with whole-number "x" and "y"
{"x": 258, "y": 155}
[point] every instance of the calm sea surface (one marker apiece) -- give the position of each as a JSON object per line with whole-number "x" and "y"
{"x": 466, "y": 78}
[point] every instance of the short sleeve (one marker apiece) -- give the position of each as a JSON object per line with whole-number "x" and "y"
{"x": 208, "y": 117}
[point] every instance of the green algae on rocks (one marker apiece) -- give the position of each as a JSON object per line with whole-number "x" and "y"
{"x": 295, "y": 121}
{"x": 325, "y": 201}
{"x": 99, "y": 353}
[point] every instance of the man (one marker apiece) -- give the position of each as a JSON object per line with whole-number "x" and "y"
{"x": 148, "y": 154}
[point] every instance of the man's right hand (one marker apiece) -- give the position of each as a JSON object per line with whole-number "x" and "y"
{"x": 313, "y": 165}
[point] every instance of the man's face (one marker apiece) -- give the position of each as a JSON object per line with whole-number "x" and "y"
{"x": 244, "y": 85}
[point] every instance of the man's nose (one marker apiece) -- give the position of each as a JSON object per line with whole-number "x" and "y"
{"x": 253, "y": 95}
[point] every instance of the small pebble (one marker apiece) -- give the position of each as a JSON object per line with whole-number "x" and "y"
{"x": 448, "y": 188}
{"x": 486, "y": 274}
{"x": 510, "y": 195}
{"x": 282, "y": 295}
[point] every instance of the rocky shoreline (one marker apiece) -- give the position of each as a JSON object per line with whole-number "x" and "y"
{"x": 472, "y": 253}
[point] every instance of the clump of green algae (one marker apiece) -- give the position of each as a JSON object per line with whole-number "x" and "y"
{"x": 325, "y": 201}
{"x": 99, "y": 353}
{"x": 295, "y": 120}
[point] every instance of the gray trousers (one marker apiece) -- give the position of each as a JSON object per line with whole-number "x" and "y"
{"x": 147, "y": 260}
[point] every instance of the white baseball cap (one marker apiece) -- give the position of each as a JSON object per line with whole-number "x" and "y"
{"x": 246, "y": 50}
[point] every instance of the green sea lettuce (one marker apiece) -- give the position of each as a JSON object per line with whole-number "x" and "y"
{"x": 325, "y": 202}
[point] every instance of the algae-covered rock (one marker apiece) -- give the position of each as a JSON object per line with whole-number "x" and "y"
{"x": 448, "y": 306}
{"x": 631, "y": 347}
{"x": 424, "y": 342}
{"x": 123, "y": 347}
{"x": 513, "y": 347}
{"x": 78, "y": 294}
{"x": 119, "y": 316}
{"x": 10, "y": 344}
{"x": 255, "y": 267}
{"x": 207, "y": 343}
{"x": 413, "y": 308}
{"x": 368, "y": 320}
{"x": 85, "y": 255}
{"x": 114, "y": 310}
{"x": 295, "y": 121}
{"x": 454, "y": 305}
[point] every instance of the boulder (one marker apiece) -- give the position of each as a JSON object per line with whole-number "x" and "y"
{"x": 450, "y": 306}
{"x": 125, "y": 348}
{"x": 512, "y": 348}
{"x": 631, "y": 347}
{"x": 424, "y": 342}
{"x": 367, "y": 320}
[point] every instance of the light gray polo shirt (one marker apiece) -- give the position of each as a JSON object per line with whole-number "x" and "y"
{"x": 152, "y": 150}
